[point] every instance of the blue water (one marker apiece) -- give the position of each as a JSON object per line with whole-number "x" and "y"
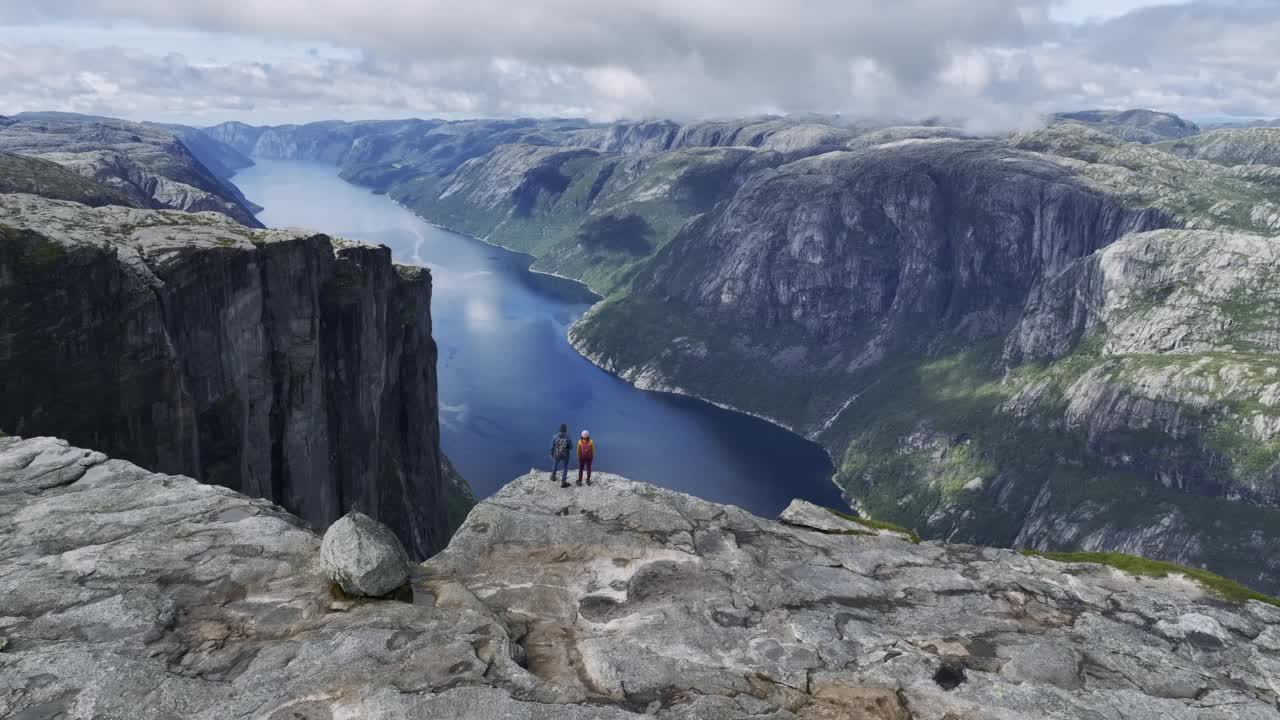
{"x": 508, "y": 377}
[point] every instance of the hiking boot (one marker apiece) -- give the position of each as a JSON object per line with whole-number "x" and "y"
{"x": 579, "y": 483}
{"x": 564, "y": 484}
{"x": 588, "y": 481}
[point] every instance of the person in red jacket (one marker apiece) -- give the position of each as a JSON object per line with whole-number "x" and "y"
{"x": 586, "y": 453}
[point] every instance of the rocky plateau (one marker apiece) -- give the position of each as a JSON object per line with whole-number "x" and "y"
{"x": 135, "y": 594}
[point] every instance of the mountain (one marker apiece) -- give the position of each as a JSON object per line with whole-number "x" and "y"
{"x": 867, "y": 299}
{"x": 1251, "y": 146}
{"x": 1141, "y": 126}
{"x": 222, "y": 160}
{"x": 148, "y": 163}
{"x": 286, "y": 365}
{"x": 152, "y": 596}
{"x": 931, "y": 307}
{"x": 1241, "y": 124}
{"x": 22, "y": 174}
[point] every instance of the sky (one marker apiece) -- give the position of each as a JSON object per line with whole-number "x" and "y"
{"x": 991, "y": 64}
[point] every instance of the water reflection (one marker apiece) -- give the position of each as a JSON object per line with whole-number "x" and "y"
{"x": 508, "y": 377}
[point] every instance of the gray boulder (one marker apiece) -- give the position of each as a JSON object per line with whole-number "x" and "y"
{"x": 363, "y": 556}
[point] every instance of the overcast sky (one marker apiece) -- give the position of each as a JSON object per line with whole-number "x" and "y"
{"x": 994, "y": 63}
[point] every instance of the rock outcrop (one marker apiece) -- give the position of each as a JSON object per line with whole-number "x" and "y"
{"x": 148, "y": 163}
{"x": 363, "y": 556}
{"x": 829, "y": 265}
{"x": 22, "y": 174}
{"x": 152, "y": 596}
{"x": 284, "y": 364}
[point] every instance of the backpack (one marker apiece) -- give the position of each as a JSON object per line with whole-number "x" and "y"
{"x": 560, "y": 447}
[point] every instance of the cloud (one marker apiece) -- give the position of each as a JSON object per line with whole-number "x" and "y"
{"x": 908, "y": 37}
{"x": 994, "y": 63}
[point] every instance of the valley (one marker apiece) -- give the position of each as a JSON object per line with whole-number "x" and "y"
{"x": 1059, "y": 339}
{"x": 992, "y": 335}
{"x": 508, "y": 377}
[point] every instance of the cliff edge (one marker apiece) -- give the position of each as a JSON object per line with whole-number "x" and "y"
{"x": 129, "y": 593}
{"x": 284, "y": 364}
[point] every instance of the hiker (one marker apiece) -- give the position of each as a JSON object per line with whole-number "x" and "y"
{"x": 586, "y": 453}
{"x": 560, "y": 445}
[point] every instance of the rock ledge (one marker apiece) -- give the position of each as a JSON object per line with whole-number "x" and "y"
{"x": 129, "y": 593}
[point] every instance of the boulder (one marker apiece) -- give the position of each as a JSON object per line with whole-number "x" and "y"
{"x": 803, "y": 513}
{"x": 364, "y": 557}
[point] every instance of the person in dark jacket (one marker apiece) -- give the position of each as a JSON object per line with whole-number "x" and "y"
{"x": 586, "y": 453}
{"x": 560, "y": 445}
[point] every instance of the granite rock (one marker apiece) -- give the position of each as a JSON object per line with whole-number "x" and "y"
{"x": 153, "y": 596}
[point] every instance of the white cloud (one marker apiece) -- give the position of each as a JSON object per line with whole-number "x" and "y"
{"x": 993, "y": 62}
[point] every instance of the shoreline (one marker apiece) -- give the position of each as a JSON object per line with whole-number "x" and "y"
{"x": 661, "y": 385}
{"x": 490, "y": 243}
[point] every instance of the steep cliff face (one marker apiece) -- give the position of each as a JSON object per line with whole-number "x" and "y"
{"x": 1179, "y": 339}
{"x": 239, "y": 136}
{"x": 288, "y": 366}
{"x": 221, "y": 159}
{"x": 153, "y": 596}
{"x": 824, "y": 267}
{"x": 148, "y": 163}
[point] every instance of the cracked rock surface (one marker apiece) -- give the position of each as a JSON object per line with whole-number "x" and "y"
{"x": 132, "y": 594}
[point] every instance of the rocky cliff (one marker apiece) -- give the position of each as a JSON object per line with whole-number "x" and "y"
{"x": 22, "y": 174}
{"x": 221, "y": 159}
{"x": 286, "y": 365}
{"x": 148, "y": 163}
{"x": 820, "y": 269}
{"x": 153, "y": 596}
{"x": 873, "y": 289}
